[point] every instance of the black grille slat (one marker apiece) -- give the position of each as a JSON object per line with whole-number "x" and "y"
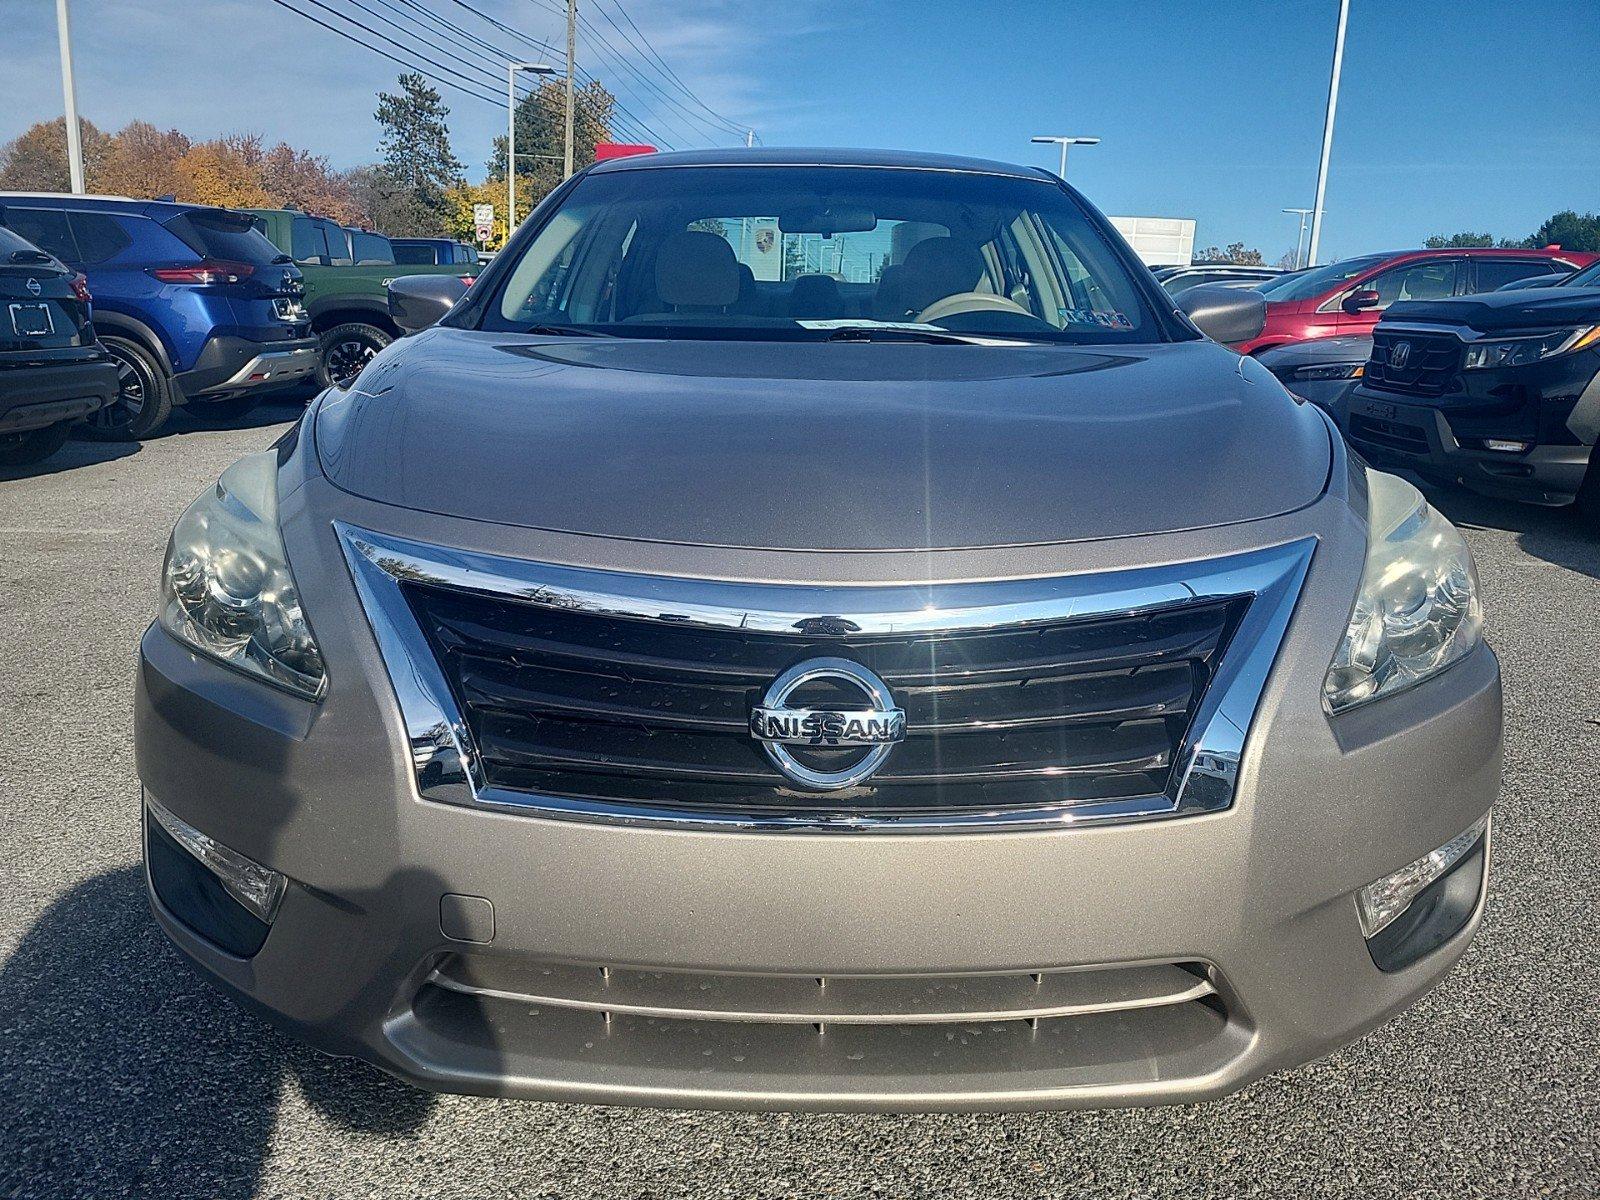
{"x": 542, "y": 742}
{"x": 1430, "y": 368}
{"x": 598, "y": 707}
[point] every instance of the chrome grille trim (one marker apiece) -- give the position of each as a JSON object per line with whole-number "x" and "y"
{"x": 1203, "y": 780}
{"x": 835, "y": 999}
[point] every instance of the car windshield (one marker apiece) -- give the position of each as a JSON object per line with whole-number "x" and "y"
{"x": 1588, "y": 277}
{"x": 1320, "y": 280}
{"x": 799, "y": 252}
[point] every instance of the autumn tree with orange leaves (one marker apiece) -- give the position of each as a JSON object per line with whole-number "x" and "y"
{"x": 145, "y": 162}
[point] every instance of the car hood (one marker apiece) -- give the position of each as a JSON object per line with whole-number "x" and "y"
{"x": 835, "y": 446}
{"x": 1521, "y": 308}
{"x": 1317, "y": 350}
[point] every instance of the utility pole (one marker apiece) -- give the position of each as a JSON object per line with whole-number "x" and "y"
{"x": 1300, "y": 238}
{"x": 572, "y": 54}
{"x": 511, "y": 134}
{"x": 1327, "y": 131}
{"x": 69, "y": 94}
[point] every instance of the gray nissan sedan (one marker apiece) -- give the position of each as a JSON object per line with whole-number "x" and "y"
{"x": 818, "y": 630}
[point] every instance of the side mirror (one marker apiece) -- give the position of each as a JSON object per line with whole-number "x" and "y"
{"x": 417, "y": 301}
{"x": 1361, "y": 298}
{"x": 1228, "y": 315}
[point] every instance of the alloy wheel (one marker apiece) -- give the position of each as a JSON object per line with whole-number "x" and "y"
{"x": 346, "y": 359}
{"x": 133, "y": 385}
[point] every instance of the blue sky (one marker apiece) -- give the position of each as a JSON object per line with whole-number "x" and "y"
{"x": 1453, "y": 115}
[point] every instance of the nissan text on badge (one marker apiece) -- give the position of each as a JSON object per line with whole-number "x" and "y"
{"x": 818, "y": 630}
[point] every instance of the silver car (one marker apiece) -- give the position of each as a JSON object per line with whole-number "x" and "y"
{"x": 818, "y": 630}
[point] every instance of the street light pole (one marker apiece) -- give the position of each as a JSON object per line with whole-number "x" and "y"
{"x": 69, "y": 94}
{"x": 1300, "y": 237}
{"x": 572, "y": 54}
{"x": 1064, "y": 143}
{"x": 1327, "y": 130}
{"x": 511, "y": 133}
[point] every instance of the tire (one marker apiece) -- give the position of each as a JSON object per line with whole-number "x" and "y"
{"x": 234, "y": 408}
{"x": 346, "y": 349}
{"x": 1587, "y": 502}
{"x": 36, "y": 445}
{"x": 144, "y": 401}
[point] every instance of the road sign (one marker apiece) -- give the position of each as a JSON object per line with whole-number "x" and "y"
{"x": 482, "y": 214}
{"x": 485, "y": 232}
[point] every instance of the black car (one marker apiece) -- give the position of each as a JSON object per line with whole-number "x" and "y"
{"x": 1498, "y": 391}
{"x": 52, "y": 371}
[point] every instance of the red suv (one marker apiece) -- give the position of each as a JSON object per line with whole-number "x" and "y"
{"x": 1347, "y": 297}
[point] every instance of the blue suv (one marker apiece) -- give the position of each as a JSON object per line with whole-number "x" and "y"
{"x": 193, "y": 303}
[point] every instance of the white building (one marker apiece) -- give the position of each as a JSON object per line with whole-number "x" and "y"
{"x": 1160, "y": 241}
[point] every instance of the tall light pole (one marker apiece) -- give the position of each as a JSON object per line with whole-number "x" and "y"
{"x": 1064, "y": 143}
{"x": 572, "y": 55}
{"x": 1300, "y": 237}
{"x": 69, "y": 94}
{"x": 1327, "y": 130}
{"x": 511, "y": 133}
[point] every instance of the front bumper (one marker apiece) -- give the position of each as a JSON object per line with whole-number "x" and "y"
{"x": 1414, "y": 437}
{"x": 508, "y": 954}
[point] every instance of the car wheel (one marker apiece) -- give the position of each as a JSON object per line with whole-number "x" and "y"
{"x": 1588, "y": 499}
{"x": 144, "y": 395}
{"x": 346, "y": 349}
{"x": 234, "y": 408}
{"x": 36, "y": 445}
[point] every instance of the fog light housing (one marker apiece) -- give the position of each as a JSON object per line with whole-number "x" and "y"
{"x": 217, "y": 892}
{"x": 1505, "y": 446}
{"x": 1425, "y": 903}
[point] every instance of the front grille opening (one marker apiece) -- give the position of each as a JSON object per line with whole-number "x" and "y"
{"x": 584, "y": 705}
{"x": 1430, "y": 367}
{"x": 1064, "y": 1028}
{"x": 1392, "y": 435}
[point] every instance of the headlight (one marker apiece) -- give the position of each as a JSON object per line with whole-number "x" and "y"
{"x": 226, "y": 588}
{"x": 1417, "y": 611}
{"x": 1330, "y": 371}
{"x": 1516, "y": 352}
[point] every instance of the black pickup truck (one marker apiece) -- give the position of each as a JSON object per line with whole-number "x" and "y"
{"x": 1499, "y": 392}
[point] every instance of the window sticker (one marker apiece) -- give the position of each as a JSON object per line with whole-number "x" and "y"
{"x": 1104, "y": 318}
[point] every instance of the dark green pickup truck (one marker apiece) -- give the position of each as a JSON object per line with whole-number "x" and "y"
{"x": 347, "y": 273}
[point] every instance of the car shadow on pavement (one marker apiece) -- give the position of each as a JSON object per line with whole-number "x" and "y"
{"x": 126, "y": 1073}
{"x": 193, "y": 418}
{"x": 71, "y": 456}
{"x": 1556, "y": 535}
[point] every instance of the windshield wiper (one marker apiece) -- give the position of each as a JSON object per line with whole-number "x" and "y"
{"x": 887, "y": 333}
{"x": 564, "y": 331}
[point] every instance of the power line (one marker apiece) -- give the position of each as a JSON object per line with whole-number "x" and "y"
{"x": 624, "y": 115}
{"x": 349, "y": 37}
{"x": 652, "y": 53}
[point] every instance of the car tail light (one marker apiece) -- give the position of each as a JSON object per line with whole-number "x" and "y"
{"x": 468, "y": 279}
{"x": 80, "y": 288}
{"x": 207, "y": 270}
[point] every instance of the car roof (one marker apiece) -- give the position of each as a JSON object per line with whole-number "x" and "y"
{"x": 159, "y": 209}
{"x": 808, "y": 156}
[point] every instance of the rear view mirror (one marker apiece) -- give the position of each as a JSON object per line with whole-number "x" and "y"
{"x": 1360, "y": 299}
{"x": 828, "y": 219}
{"x": 417, "y": 301}
{"x": 1228, "y": 315}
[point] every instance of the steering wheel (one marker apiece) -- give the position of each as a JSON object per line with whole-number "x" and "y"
{"x": 965, "y": 302}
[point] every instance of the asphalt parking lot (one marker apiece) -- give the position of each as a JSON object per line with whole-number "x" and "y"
{"x": 124, "y": 1074}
